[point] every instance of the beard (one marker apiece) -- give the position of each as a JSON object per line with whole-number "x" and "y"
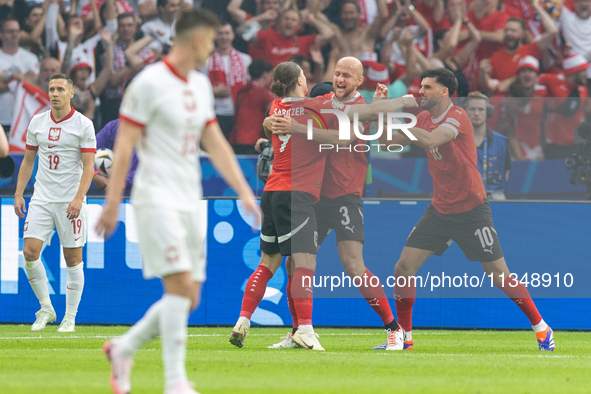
{"x": 428, "y": 102}
{"x": 511, "y": 43}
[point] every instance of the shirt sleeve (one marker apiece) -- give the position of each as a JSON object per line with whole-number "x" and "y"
{"x": 88, "y": 139}
{"x": 456, "y": 120}
{"x": 31, "y": 143}
{"x": 137, "y": 106}
{"x": 106, "y": 137}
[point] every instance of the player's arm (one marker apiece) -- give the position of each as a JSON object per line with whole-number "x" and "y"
{"x": 224, "y": 160}
{"x": 24, "y": 174}
{"x": 126, "y": 139}
{"x": 281, "y": 125}
{"x": 432, "y": 140}
{"x": 4, "y": 146}
{"x": 371, "y": 111}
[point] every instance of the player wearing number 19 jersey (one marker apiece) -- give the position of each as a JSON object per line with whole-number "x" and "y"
{"x": 459, "y": 210}
{"x": 65, "y": 143}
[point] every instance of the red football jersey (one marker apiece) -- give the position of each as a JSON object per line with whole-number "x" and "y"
{"x": 559, "y": 128}
{"x": 457, "y": 184}
{"x": 276, "y": 49}
{"x": 298, "y": 165}
{"x": 505, "y": 65}
{"x": 345, "y": 170}
{"x": 528, "y": 122}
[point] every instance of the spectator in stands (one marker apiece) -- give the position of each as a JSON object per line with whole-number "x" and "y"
{"x": 490, "y": 22}
{"x": 161, "y": 28}
{"x": 355, "y": 36}
{"x": 122, "y": 71}
{"x": 49, "y": 66}
{"x": 494, "y": 159}
{"x": 575, "y": 21}
{"x": 566, "y": 106}
{"x": 252, "y": 106}
{"x": 270, "y": 9}
{"x": 33, "y": 30}
{"x": 405, "y": 19}
{"x": 525, "y": 110}
{"x": 505, "y": 62}
{"x": 148, "y": 9}
{"x": 85, "y": 94}
{"x": 82, "y": 50}
{"x": 227, "y": 69}
{"x": 88, "y": 10}
{"x": 13, "y": 59}
{"x": 279, "y": 45}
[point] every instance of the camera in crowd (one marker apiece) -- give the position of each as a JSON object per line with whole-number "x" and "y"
{"x": 580, "y": 162}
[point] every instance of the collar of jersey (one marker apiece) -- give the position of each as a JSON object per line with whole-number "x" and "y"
{"x": 440, "y": 118}
{"x": 349, "y": 100}
{"x": 290, "y": 99}
{"x": 174, "y": 70}
{"x": 68, "y": 116}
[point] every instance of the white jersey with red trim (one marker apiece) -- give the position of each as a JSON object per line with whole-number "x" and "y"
{"x": 173, "y": 111}
{"x": 59, "y": 145}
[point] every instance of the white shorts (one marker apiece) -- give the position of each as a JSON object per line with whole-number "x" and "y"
{"x": 171, "y": 242}
{"x": 43, "y": 217}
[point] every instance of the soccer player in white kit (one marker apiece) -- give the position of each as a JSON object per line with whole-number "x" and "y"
{"x": 168, "y": 110}
{"x": 65, "y": 142}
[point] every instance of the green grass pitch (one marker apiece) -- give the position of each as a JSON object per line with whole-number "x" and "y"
{"x": 442, "y": 362}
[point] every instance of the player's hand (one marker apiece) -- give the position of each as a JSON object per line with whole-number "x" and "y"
{"x": 281, "y": 125}
{"x": 19, "y": 206}
{"x": 381, "y": 91}
{"x": 107, "y": 223}
{"x": 257, "y": 146}
{"x": 269, "y": 120}
{"x": 74, "y": 208}
{"x": 222, "y": 91}
{"x": 409, "y": 101}
{"x": 251, "y": 207}
{"x": 269, "y": 15}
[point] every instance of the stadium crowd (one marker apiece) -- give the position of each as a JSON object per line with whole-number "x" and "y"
{"x": 529, "y": 56}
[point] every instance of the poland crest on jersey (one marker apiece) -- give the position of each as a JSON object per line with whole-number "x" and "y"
{"x": 55, "y": 133}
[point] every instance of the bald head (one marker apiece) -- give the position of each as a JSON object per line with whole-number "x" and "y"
{"x": 348, "y": 76}
{"x": 351, "y": 64}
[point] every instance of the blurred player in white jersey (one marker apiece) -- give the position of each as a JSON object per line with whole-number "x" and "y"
{"x": 169, "y": 108}
{"x": 65, "y": 142}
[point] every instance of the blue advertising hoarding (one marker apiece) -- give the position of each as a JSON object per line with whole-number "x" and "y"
{"x": 537, "y": 238}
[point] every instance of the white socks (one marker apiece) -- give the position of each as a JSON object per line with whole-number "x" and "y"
{"x": 74, "y": 287}
{"x": 38, "y": 280}
{"x": 142, "y": 332}
{"x": 541, "y": 326}
{"x": 174, "y": 317}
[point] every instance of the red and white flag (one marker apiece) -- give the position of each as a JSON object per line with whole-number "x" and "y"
{"x": 29, "y": 100}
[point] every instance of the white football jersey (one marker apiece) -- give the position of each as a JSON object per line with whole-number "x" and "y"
{"x": 59, "y": 146}
{"x": 173, "y": 112}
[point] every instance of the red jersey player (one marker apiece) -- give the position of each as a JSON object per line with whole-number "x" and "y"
{"x": 289, "y": 221}
{"x": 459, "y": 211}
{"x": 340, "y": 205}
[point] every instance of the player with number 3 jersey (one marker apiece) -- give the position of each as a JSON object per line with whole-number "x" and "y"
{"x": 65, "y": 142}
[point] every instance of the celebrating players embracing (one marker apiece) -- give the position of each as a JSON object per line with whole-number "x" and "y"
{"x": 65, "y": 142}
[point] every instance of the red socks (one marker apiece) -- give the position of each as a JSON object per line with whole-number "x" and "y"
{"x": 301, "y": 290}
{"x": 373, "y": 292}
{"x": 255, "y": 290}
{"x": 290, "y": 303}
{"x": 521, "y": 297}
{"x": 405, "y": 299}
